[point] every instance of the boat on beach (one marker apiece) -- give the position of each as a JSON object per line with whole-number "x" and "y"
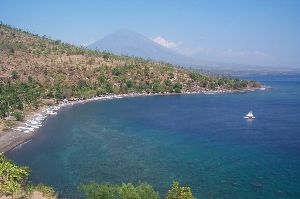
{"x": 249, "y": 115}
{"x": 51, "y": 113}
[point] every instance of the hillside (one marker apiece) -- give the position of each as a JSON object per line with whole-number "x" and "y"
{"x": 34, "y": 68}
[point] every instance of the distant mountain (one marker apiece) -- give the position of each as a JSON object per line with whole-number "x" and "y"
{"x": 127, "y": 42}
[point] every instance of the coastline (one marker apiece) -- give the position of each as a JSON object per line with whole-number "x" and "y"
{"x": 22, "y": 132}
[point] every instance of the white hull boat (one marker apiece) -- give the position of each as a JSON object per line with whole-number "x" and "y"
{"x": 249, "y": 115}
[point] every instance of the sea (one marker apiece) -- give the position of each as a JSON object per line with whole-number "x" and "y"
{"x": 201, "y": 141}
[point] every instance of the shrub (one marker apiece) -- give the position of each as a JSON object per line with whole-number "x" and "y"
{"x": 156, "y": 87}
{"x": 47, "y": 192}
{"x": 146, "y": 191}
{"x": 14, "y": 75}
{"x": 168, "y": 82}
{"x": 177, "y": 88}
{"x": 129, "y": 83}
{"x": 177, "y": 192}
{"x": 194, "y": 76}
{"x": 18, "y": 115}
{"x": 105, "y": 55}
{"x": 171, "y": 75}
{"x": 116, "y": 71}
{"x": 124, "y": 191}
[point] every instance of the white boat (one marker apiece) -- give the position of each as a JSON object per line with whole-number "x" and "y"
{"x": 17, "y": 129}
{"x": 21, "y": 127}
{"x": 56, "y": 108}
{"x": 33, "y": 122}
{"x": 35, "y": 127}
{"x": 51, "y": 113}
{"x": 249, "y": 115}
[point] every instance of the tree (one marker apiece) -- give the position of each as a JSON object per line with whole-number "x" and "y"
{"x": 12, "y": 177}
{"x": 168, "y": 82}
{"x": 177, "y": 88}
{"x": 128, "y": 191}
{"x": 82, "y": 84}
{"x": 18, "y": 115}
{"x": 194, "y": 76}
{"x": 146, "y": 71}
{"x": 155, "y": 87}
{"x": 67, "y": 92}
{"x": 102, "y": 78}
{"x": 177, "y": 192}
{"x": 94, "y": 190}
{"x": 171, "y": 75}
{"x": 105, "y": 55}
{"x": 14, "y": 75}
{"x": 146, "y": 191}
{"x": 129, "y": 83}
{"x": 109, "y": 87}
{"x": 124, "y": 191}
{"x": 116, "y": 71}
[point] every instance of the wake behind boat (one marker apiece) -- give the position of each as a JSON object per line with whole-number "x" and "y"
{"x": 249, "y": 115}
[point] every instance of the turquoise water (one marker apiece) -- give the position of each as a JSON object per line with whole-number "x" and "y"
{"x": 200, "y": 140}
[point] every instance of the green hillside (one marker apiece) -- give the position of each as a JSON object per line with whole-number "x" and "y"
{"x": 34, "y": 68}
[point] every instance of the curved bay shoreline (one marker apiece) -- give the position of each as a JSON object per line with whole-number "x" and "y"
{"x": 12, "y": 138}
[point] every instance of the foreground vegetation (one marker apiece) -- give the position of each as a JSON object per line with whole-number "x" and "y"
{"x": 14, "y": 183}
{"x": 129, "y": 191}
{"x": 34, "y": 68}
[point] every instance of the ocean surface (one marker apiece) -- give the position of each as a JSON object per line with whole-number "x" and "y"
{"x": 202, "y": 141}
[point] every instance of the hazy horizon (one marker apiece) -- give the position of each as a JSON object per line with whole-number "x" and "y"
{"x": 243, "y": 32}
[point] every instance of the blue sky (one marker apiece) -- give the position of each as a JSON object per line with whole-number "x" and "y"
{"x": 260, "y": 32}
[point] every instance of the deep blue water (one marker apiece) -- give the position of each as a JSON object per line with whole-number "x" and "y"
{"x": 200, "y": 140}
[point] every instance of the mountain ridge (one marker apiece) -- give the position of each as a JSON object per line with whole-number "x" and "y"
{"x": 128, "y": 42}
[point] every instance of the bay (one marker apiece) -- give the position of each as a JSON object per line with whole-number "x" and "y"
{"x": 202, "y": 141}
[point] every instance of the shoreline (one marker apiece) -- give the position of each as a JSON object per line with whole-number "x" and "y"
{"x": 24, "y": 131}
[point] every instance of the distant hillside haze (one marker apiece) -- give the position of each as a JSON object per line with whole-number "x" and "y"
{"x": 128, "y": 42}
{"x": 131, "y": 43}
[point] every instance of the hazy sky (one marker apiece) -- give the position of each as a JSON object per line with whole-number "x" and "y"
{"x": 262, "y": 32}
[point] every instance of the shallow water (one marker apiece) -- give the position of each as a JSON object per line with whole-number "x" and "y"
{"x": 200, "y": 140}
